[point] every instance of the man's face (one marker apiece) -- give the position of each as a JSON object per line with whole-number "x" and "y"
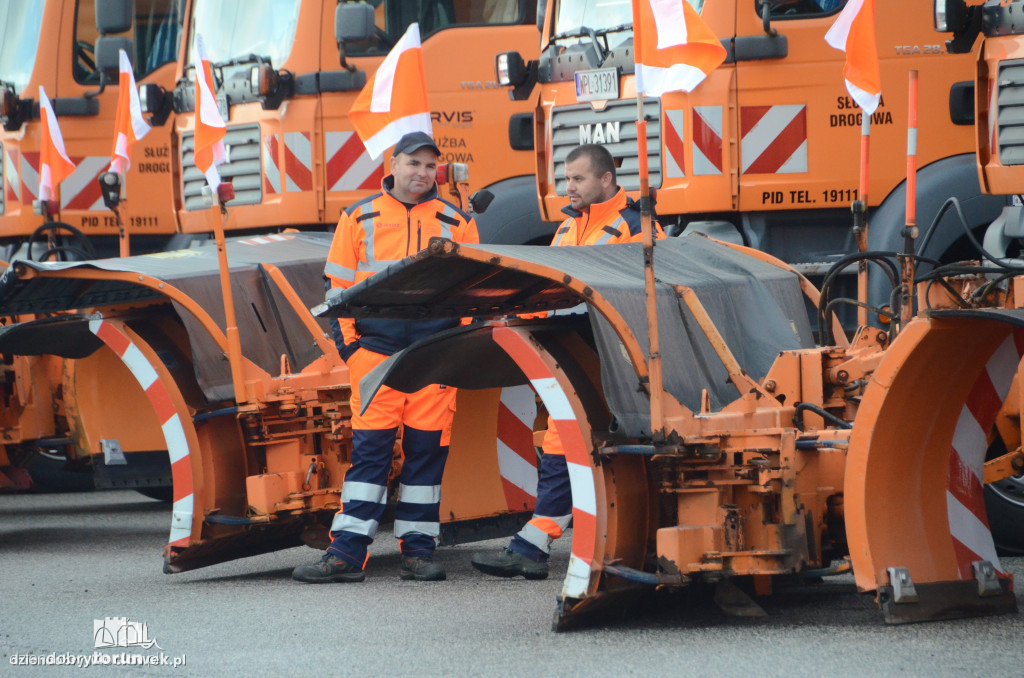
{"x": 414, "y": 174}
{"x": 584, "y": 186}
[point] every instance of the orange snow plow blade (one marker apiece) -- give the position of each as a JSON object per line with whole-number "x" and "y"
{"x": 915, "y": 512}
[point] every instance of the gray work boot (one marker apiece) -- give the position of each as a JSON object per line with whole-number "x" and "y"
{"x": 330, "y": 568}
{"x": 508, "y": 563}
{"x": 421, "y": 568}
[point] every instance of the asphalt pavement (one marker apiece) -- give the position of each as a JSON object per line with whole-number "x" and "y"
{"x": 85, "y": 566}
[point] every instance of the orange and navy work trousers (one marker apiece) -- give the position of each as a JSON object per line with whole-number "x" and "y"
{"x": 553, "y": 512}
{"x": 426, "y": 416}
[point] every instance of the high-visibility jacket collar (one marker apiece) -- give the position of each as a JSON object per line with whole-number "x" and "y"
{"x": 387, "y": 185}
{"x": 601, "y": 212}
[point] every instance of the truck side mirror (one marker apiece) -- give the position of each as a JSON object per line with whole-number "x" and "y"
{"x": 949, "y": 15}
{"x": 108, "y": 61}
{"x": 510, "y": 69}
{"x": 353, "y": 22}
{"x": 114, "y": 16}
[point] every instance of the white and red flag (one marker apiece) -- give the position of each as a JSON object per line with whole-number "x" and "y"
{"x": 129, "y": 125}
{"x": 854, "y": 33}
{"x": 673, "y": 47}
{"x": 210, "y": 128}
{"x": 54, "y": 163}
{"x": 394, "y": 101}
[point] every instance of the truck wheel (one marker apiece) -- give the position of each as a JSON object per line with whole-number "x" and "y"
{"x": 50, "y": 473}
{"x": 1004, "y": 503}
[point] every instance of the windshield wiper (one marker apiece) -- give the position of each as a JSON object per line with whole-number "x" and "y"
{"x": 615, "y": 29}
{"x": 580, "y": 32}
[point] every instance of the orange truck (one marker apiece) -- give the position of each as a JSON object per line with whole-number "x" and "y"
{"x": 58, "y": 45}
{"x": 765, "y": 151}
{"x": 295, "y": 161}
{"x": 70, "y": 49}
{"x": 735, "y": 449}
{"x": 1000, "y": 167}
{"x": 294, "y": 158}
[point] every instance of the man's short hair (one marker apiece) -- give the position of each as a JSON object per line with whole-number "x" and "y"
{"x": 601, "y": 160}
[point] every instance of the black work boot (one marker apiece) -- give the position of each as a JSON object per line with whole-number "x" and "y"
{"x": 508, "y": 563}
{"x": 330, "y": 568}
{"x": 421, "y": 568}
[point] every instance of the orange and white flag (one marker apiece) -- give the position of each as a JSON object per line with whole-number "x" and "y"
{"x": 673, "y": 47}
{"x": 394, "y": 101}
{"x": 210, "y": 128}
{"x": 54, "y": 163}
{"x": 129, "y": 125}
{"x": 854, "y": 33}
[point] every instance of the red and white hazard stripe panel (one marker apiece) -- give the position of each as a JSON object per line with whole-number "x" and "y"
{"x": 29, "y": 177}
{"x": 517, "y": 456}
{"x": 581, "y": 475}
{"x": 271, "y": 170}
{"x": 298, "y": 161}
{"x": 707, "y": 140}
{"x": 672, "y": 133}
{"x": 349, "y": 166}
{"x": 170, "y": 424}
{"x": 12, "y": 174}
{"x": 81, "y": 190}
{"x": 965, "y": 497}
{"x": 288, "y": 166}
{"x": 773, "y": 139}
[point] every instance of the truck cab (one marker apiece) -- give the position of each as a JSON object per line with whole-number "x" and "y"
{"x": 765, "y": 151}
{"x": 58, "y": 45}
{"x": 287, "y": 74}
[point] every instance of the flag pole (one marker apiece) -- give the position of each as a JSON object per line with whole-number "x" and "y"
{"x": 860, "y": 222}
{"x": 655, "y": 384}
{"x": 225, "y": 192}
{"x": 910, "y": 227}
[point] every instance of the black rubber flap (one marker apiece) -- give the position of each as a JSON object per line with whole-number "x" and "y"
{"x": 66, "y": 336}
{"x": 268, "y": 326}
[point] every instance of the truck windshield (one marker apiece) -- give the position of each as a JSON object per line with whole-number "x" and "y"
{"x": 237, "y": 28}
{"x": 20, "y": 24}
{"x": 392, "y": 18}
{"x": 598, "y": 15}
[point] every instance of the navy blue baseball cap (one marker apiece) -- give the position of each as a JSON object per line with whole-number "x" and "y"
{"x": 414, "y": 141}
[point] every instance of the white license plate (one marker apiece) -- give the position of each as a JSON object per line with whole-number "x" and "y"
{"x": 599, "y": 84}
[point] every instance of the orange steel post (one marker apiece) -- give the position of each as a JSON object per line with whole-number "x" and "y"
{"x": 230, "y": 324}
{"x": 860, "y": 224}
{"x": 654, "y": 361}
{"x": 910, "y": 230}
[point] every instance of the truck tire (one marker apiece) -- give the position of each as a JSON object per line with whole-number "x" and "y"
{"x": 953, "y": 176}
{"x": 513, "y": 217}
{"x": 1004, "y": 501}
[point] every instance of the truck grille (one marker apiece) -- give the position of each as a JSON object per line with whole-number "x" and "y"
{"x": 242, "y": 169}
{"x": 1010, "y": 112}
{"x": 615, "y": 129}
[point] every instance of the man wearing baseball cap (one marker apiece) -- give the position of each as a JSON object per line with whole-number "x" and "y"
{"x": 372, "y": 233}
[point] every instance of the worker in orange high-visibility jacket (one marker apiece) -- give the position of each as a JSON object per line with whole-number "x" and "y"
{"x": 372, "y": 233}
{"x": 600, "y": 213}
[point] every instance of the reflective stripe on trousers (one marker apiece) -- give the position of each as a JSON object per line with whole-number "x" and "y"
{"x": 364, "y": 492}
{"x": 553, "y": 511}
